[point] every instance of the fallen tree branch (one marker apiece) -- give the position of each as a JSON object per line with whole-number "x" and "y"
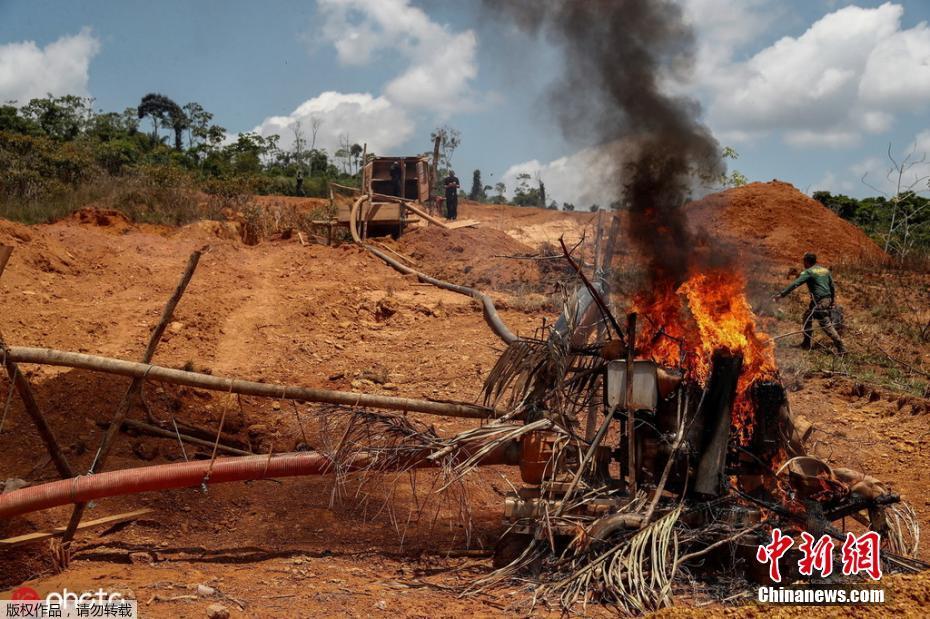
{"x": 717, "y": 544}
{"x": 151, "y": 430}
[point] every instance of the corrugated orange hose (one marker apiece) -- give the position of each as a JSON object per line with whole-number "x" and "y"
{"x": 191, "y": 474}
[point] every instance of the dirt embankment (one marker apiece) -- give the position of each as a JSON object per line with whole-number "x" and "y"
{"x": 777, "y": 223}
{"x": 278, "y": 312}
{"x": 480, "y": 257}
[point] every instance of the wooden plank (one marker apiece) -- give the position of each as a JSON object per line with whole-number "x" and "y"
{"x": 38, "y": 536}
{"x": 467, "y": 223}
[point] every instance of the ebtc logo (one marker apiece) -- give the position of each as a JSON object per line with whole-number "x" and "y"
{"x": 99, "y": 597}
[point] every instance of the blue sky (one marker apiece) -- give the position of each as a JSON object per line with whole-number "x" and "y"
{"x": 810, "y": 92}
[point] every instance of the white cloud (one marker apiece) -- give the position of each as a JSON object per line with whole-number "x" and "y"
{"x": 867, "y": 166}
{"x": 583, "y": 178}
{"x": 844, "y": 77}
{"x": 830, "y": 182}
{"x": 722, "y": 27}
{"x": 60, "y": 68}
{"x": 362, "y": 117}
{"x": 441, "y": 63}
{"x": 879, "y": 173}
{"x": 830, "y": 138}
{"x": 898, "y": 70}
{"x": 440, "y": 67}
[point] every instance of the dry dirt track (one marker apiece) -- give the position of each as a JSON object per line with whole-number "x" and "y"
{"x": 315, "y": 316}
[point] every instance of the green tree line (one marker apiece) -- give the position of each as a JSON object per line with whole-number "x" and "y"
{"x": 54, "y": 146}
{"x": 899, "y": 224}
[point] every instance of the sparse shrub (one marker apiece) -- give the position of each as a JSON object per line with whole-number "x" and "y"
{"x": 253, "y": 224}
{"x": 228, "y": 193}
{"x": 158, "y": 194}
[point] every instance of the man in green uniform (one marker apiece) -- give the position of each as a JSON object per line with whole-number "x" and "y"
{"x": 823, "y": 296}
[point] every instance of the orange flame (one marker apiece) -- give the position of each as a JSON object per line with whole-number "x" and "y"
{"x": 718, "y": 317}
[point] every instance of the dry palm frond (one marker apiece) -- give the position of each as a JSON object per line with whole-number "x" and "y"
{"x": 903, "y": 530}
{"x": 634, "y": 574}
{"x": 478, "y": 443}
{"x": 522, "y": 370}
{"x": 543, "y": 377}
{"x": 373, "y": 454}
{"x": 59, "y": 555}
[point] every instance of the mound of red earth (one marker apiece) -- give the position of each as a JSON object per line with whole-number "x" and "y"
{"x": 102, "y": 217}
{"x": 471, "y": 257}
{"x": 775, "y": 221}
{"x": 40, "y": 251}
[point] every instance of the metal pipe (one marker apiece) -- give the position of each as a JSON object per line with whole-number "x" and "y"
{"x": 49, "y": 356}
{"x": 490, "y": 312}
{"x": 86, "y": 488}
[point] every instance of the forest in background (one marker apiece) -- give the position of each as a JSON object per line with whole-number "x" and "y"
{"x": 58, "y": 154}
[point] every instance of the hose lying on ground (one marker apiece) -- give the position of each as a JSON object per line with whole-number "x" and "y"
{"x": 86, "y": 488}
{"x": 490, "y": 312}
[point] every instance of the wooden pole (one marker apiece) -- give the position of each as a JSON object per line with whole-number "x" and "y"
{"x": 132, "y": 393}
{"x": 434, "y": 181}
{"x": 597, "y": 403}
{"x": 47, "y": 356}
{"x": 35, "y": 413}
{"x": 721, "y": 394}
{"x": 612, "y": 236}
{"x": 367, "y": 188}
{"x": 427, "y": 216}
{"x": 147, "y": 428}
{"x": 29, "y": 401}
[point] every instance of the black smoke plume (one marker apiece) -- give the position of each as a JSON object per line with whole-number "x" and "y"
{"x": 618, "y": 55}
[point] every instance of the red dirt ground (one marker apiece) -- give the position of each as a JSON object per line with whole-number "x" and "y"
{"x": 315, "y": 316}
{"x": 471, "y": 256}
{"x": 775, "y": 221}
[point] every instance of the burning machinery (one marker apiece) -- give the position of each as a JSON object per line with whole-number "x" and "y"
{"x": 704, "y": 455}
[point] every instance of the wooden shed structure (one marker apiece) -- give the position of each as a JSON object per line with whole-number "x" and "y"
{"x": 415, "y": 177}
{"x": 386, "y": 212}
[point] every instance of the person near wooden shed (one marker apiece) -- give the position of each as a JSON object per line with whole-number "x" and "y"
{"x": 396, "y": 175}
{"x": 451, "y": 184}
